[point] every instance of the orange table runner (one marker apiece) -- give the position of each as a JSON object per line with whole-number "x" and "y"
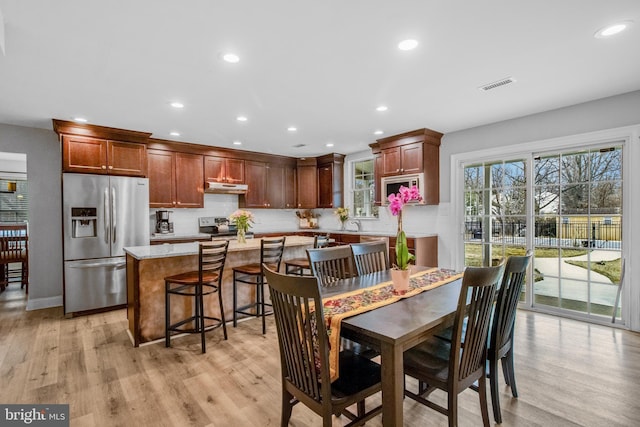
{"x": 349, "y": 304}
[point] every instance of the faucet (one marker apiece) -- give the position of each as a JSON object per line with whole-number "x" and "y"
{"x": 356, "y": 223}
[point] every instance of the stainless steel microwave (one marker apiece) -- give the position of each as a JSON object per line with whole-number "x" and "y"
{"x": 392, "y": 184}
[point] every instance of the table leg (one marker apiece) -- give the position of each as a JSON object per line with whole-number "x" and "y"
{"x": 392, "y": 385}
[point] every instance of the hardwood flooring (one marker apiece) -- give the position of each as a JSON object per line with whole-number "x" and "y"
{"x": 568, "y": 373}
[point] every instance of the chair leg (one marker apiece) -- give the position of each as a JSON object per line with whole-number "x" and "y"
{"x": 167, "y": 319}
{"x": 235, "y": 301}
{"x": 512, "y": 374}
{"x": 452, "y": 408}
{"x": 224, "y": 323}
{"x": 287, "y": 406}
{"x": 493, "y": 384}
{"x": 200, "y": 316}
{"x": 482, "y": 391}
{"x": 261, "y": 305}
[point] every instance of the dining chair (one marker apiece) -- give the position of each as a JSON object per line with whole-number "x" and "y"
{"x": 449, "y": 365}
{"x": 331, "y": 264}
{"x": 196, "y": 284}
{"x": 304, "y": 356}
{"x": 271, "y": 250}
{"x": 14, "y": 249}
{"x": 370, "y": 257}
{"x": 500, "y": 342}
{"x": 301, "y": 265}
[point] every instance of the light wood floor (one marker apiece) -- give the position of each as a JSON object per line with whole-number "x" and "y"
{"x": 569, "y": 374}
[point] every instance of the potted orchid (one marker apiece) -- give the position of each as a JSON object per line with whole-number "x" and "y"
{"x": 243, "y": 220}
{"x": 403, "y": 256}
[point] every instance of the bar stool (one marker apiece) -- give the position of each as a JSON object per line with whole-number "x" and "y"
{"x": 251, "y": 274}
{"x": 195, "y": 284}
{"x": 301, "y": 265}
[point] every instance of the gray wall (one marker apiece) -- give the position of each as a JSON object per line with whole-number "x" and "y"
{"x": 45, "y": 210}
{"x": 605, "y": 113}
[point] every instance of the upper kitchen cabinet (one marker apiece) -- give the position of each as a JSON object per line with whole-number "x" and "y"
{"x": 176, "y": 180}
{"x": 270, "y": 185}
{"x": 307, "y": 177}
{"x": 102, "y": 150}
{"x": 412, "y": 152}
{"x": 330, "y": 181}
{"x": 222, "y": 169}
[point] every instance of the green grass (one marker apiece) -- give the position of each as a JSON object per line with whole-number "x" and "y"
{"x": 610, "y": 269}
{"x": 473, "y": 253}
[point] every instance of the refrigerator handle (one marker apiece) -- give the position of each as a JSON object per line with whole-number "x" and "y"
{"x": 106, "y": 215}
{"x": 114, "y": 210}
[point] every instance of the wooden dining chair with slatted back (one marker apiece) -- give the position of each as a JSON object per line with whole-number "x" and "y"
{"x": 304, "y": 356}
{"x": 271, "y": 250}
{"x": 500, "y": 343}
{"x": 449, "y": 365}
{"x": 301, "y": 265}
{"x": 196, "y": 285}
{"x": 332, "y": 264}
{"x": 370, "y": 257}
{"x": 14, "y": 249}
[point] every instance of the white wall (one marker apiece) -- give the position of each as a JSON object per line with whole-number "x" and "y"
{"x": 45, "y": 210}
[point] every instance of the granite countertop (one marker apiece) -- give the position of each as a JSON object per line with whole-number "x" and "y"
{"x": 377, "y": 233}
{"x": 169, "y": 237}
{"x": 184, "y": 249}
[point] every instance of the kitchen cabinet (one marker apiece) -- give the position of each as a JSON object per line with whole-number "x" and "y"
{"x": 307, "y": 177}
{"x": 221, "y": 169}
{"x": 176, "y": 180}
{"x": 83, "y": 154}
{"x": 330, "y": 181}
{"x": 409, "y": 153}
{"x": 271, "y": 186}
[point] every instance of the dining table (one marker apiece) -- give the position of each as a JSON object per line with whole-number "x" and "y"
{"x": 394, "y": 328}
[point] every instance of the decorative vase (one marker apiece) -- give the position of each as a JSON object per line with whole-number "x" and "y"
{"x": 342, "y": 225}
{"x": 400, "y": 279}
{"x": 241, "y": 235}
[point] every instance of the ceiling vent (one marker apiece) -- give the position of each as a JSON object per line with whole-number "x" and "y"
{"x": 501, "y": 82}
{"x": 299, "y": 145}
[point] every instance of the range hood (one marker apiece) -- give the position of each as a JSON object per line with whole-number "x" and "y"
{"x": 225, "y": 188}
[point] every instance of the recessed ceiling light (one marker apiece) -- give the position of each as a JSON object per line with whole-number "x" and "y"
{"x": 382, "y": 108}
{"x": 611, "y": 30}
{"x": 292, "y": 128}
{"x": 174, "y": 133}
{"x": 329, "y": 144}
{"x": 378, "y": 132}
{"x": 241, "y": 118}
{"x": 231, "y": 58}
{"x": 237, "y": 143}
{"x": 176, "y": 104}
{"x": 80, "y": 119}
{"x": 409, "y": 44}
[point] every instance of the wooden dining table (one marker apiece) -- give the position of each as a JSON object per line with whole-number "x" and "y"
{"x": 396, "y": 327}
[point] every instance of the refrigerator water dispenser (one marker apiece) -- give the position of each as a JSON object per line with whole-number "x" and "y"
{"x": 83, "y": 222}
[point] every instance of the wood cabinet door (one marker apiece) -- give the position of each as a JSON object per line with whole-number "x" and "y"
{"x": 275, "y": 189}
{"x": 126, "y": 158}
{"x": 214, "y": 169}
{"x": 255, "y": 178}
{"x": 325, "y": 186}
{"x": 189, "y": 180}
{"x": 161, "y": 178}
{"x": 84, "y": 155}
{"x": 234, "y": 171}
{"x": 411, "y": 158}
{"x": 391, "y": 162}
{"x": 377, "y": 175}
{"x": 307, "y": 187}
{"x": 290, "y": 187}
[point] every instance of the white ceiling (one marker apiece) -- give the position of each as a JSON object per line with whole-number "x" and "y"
{"x": 322, "y": 66}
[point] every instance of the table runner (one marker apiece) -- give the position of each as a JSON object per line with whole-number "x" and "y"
{"x": 349, "y": 304}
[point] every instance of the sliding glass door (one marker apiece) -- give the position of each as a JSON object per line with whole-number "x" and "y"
{"x": 565, "y": 206}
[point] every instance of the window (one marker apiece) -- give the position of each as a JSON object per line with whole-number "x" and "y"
{"x": 363, "y": 190}
{"x": 13, "y": 200}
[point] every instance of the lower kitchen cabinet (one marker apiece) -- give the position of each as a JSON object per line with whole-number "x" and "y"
{"x": 425, "y": 249}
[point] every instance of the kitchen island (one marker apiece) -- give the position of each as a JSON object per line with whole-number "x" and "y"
{"x": 147, "y": 266}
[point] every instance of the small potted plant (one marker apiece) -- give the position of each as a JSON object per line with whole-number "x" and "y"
{"x": 243, "y": 220}
{"x": 400, "y": 271}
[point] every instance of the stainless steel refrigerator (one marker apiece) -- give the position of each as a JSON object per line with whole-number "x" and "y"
{"x": 102, "y": 215}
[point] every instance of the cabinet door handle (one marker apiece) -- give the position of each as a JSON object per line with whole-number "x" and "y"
{"x": 110, "y": 167}
{"x": 104, "y": 167}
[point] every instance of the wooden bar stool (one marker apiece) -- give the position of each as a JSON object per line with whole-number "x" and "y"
{"x": 301, "y": 266}
{"x": 251, "y": 274}
{"x": 195, "y": 284}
